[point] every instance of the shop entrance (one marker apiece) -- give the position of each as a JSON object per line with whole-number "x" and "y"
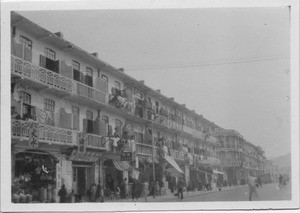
{"x": 81, "y": 182}
{"x": 81, "y": 179}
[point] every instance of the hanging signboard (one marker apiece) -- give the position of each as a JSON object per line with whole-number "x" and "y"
{"x": 33, "y": 134}
{"x": 126, "y": 156}
{"x": 82, "y": 142}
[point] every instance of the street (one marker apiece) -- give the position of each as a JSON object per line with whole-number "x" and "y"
{"x": 267, "y": 192}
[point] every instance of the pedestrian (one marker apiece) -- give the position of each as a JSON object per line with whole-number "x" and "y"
{"x": 62, "y": 193}
{"x": 123, "y": 188}
{"x": 252, "y": 186}
{"x": 145, "y": 190}
{"x": 133, "y": 190}
{"x": 280, "y": 181}
{"x": 156, "y": 189}
{"x": 99, "y": 193}
{"x": 180, "y": 186}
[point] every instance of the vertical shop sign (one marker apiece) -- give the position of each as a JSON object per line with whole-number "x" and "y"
{"x": 33, "y": 134}
{"x": 82, "y": 142}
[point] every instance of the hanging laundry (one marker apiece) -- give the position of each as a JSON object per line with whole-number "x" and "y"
{"x": 16, "y": 48}
{"x": 121, "y": 101}
{"x": 49, "y": 118}
{"x": 65, "y": 119}
{"x": 65, "y": 69}
{"x": 41, "y": 116}
{"x": 115, "y": 141}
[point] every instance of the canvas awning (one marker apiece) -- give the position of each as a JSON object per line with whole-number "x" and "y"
{"x": 85, "y": 156}
{"x": 173, "y": 163}
{"x": 121, "y": 165}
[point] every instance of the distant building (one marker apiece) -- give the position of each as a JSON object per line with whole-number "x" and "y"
{"x": 239, "y": 157}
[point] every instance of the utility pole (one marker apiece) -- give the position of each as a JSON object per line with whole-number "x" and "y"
{"x": 153, "y": 163}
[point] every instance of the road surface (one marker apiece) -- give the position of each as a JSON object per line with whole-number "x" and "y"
{"x": 265, "y": 193}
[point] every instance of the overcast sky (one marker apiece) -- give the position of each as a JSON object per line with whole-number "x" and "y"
{"x": 230, "y": 65}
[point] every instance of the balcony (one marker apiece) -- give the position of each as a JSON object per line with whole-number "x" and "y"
{"x": 90, "y": 93}
{"x": 213, "y": 140}
{"x": 143, "y": 149}
{"x": 47, "y": 134}
{"x": 96, "y": 142}
{"x": 187, "y": 129}
{"x": 197, "y": 134}
{"x": 179, "y": 155}
{"x": 212, "y": 161}
{"x": 41, "y": 77}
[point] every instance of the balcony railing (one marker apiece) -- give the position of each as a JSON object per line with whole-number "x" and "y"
{"x": 41, "y": 75}
{"x": 212, "y": 139}
{"x": 177, "y": 154}
{"x": 48, "y": 134}
{"x": 143, "y": 149}
{"x": 187, "y": 129}
{"x": 211, "y": 161}
{"x": 90, "y": 93}
{"x": 94, "y": 141}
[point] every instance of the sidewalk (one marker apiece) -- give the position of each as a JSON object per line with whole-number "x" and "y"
{"x": 170, "y": 196}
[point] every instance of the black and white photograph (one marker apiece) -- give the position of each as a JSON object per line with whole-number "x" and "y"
{"x": 149, "y": 105}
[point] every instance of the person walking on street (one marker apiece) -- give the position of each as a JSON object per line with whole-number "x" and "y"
{"x": 134, "y": 190}
{"x": 99, "y": 193}
{"x": 280, "y": 181}
{"x": 145, "y": 190}
{"x": 62, "y": 193}
{"x": 252, "y": 186}
{"x": 180, "y": 186}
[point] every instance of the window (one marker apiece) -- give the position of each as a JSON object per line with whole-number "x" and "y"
{"x": 25, "y": 97}
{"x": 118, "y": 127}
{"x": 89, "y": 71}
{"x": 49, "y": 105}
{"x": 76, "y": 65}
{"x": 139, "y": 94}
{"x": 156, "y": 107}
{"x": 75, "y": 110}
{"x": 89, "y": 115}
{"x": 117, "y": 85}
{"x": 105, "y": 119}
{"x": 75, "y": 115}
{"x": 26, "y": 42}
{"x": 49, "y": 54}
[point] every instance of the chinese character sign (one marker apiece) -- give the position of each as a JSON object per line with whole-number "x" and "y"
{"x": 82, "y": 142}
{"x": 33, "y": 134}
{"x": 126, "y": 156}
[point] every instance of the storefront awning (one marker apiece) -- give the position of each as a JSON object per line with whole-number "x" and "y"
{"x": 218, "y": 172}
{"x": 85, "y": 156}
{"x": 173, "y": 163}
{"x": 121, "y": 165}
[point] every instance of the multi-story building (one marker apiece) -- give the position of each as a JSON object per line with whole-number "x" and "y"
{"x": 239, "y": 157}
{"x": 271, "y": 172}
{"x": 77, "y": 120}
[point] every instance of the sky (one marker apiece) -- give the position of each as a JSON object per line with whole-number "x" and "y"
{"x": 229, "y": 64}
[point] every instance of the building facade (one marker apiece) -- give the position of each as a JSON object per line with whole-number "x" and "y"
{"x": 78, "y": 121}
{"x": 239, "y": 158}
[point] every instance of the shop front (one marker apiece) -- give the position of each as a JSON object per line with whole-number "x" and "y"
{"x": 34, "y": 176}
{"x": 85, "y": 170}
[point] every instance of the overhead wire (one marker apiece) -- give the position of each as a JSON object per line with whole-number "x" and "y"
{"x": 225, "y": 62}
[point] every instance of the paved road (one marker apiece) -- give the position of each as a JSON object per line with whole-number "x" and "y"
{"x": 267, "y": 192}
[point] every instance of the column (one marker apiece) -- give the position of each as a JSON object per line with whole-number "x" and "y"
{"x": 125, "y": 175}
{"x": 187, "y": 173}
